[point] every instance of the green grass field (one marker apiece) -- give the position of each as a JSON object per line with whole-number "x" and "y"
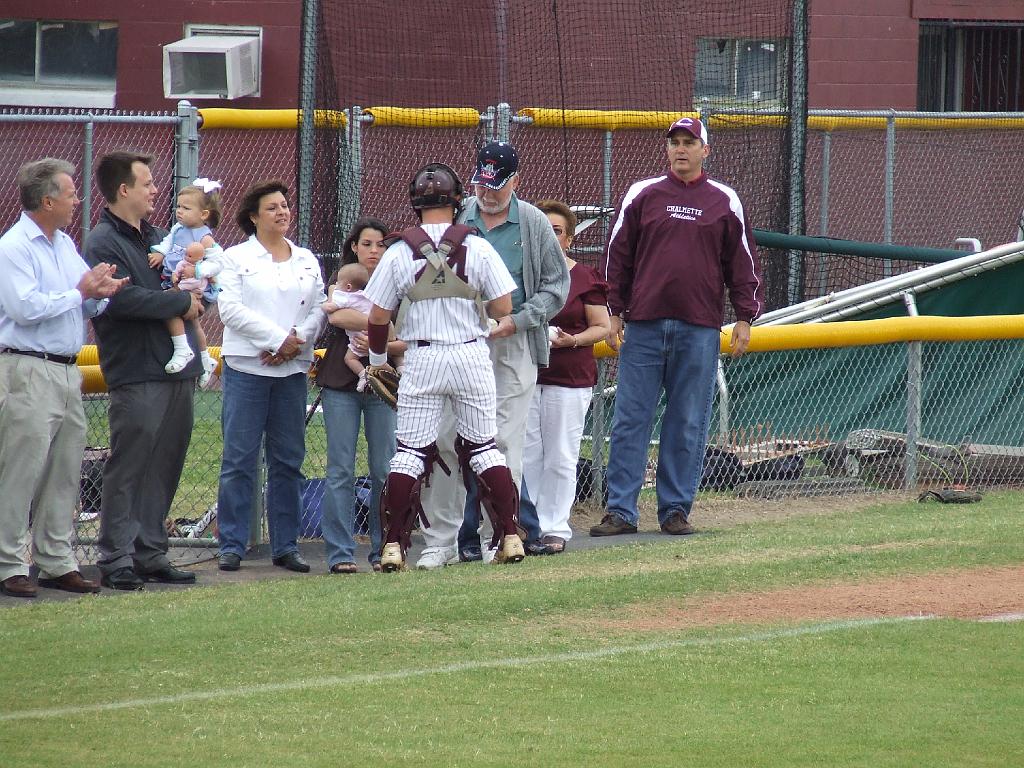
{"x": 549, "y": 663}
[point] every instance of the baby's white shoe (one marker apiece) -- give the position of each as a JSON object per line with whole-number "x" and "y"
{"x": 179, "y": 360}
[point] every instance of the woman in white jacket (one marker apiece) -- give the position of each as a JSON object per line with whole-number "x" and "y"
{"x": 271, "y": 292}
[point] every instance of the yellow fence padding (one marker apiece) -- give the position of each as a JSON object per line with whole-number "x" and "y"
{"x": 408, "y": 117}
{"x": 602, "y": 119}
{"x": 611, "y": 120}
{"x": 768, "y": 338}
{"x": 92, "y": 377}
{"x": 857, "y": 333}
{"x": 266, "y": 119}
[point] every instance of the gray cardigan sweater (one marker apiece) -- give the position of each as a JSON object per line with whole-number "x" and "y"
{"x": 545, "y": 277}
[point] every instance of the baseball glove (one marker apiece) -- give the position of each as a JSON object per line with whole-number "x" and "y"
{"x": 384, "y": 380}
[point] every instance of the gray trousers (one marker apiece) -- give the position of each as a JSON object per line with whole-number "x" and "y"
{"x": 150, "y": 430}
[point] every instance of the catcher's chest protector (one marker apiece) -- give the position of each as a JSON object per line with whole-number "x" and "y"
{"x": 438, "y": 280}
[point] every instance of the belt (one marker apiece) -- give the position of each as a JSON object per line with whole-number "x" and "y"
{"x": 442, "y": 344}
{"x": 49, "y": 356}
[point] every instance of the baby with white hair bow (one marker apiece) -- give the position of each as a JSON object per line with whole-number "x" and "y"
{"x": 189, "y": 259}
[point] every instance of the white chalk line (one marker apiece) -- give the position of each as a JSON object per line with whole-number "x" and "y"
{"x": 468, "y": 666}
{"x": 1003, "y": 617}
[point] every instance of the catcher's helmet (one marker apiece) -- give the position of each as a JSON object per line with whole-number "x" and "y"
{"x": 435, "y": 186}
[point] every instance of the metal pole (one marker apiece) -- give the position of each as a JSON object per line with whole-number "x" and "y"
{"x": 797, "y": 146}
{"x": 501, "y": 28}
{"x": 599, "y": 412}
{"x": 307, "y": 124}
{"x": 606, "y": 198}
{"x": 724, "y": 415}
{"x": 87, "y": 150}
{"x": 504, "y": 122}
{"x": 826, "y": 172}
{"x": 914, "y": 380}
{"x": 357, "y": 161}
{"x": 347, "y": 201}
{"x": 186, "y": 140}
{"x": 890, "y": 172}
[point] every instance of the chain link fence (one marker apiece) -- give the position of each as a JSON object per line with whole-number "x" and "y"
{"x": 798, "y": 417}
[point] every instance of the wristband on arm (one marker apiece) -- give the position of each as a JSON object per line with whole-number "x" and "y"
{"x": 377, "y": 336}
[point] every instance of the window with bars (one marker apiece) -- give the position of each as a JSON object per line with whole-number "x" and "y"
{"x": 970, "y": 67}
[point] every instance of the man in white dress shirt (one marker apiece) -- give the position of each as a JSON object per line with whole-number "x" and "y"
{"x": 46, "y": 293}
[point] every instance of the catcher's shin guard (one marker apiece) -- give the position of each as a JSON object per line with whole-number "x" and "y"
{"x": 496, "y": 490}
{"x": 500, "y": 497}
{"x": 400, "y": 504}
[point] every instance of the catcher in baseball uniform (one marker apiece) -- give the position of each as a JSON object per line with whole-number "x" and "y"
{"x": 453, "y": 281}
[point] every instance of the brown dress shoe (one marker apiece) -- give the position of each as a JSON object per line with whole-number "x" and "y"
{"x": 18, "y": 586}
{"x": 612, "y": 525}
{"x": 72, "y": 581}
{"x": 677, "y": 526}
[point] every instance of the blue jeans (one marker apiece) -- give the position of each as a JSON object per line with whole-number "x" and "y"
{"x": 341, "y": 420}
{"x": 469, "y": 532}
{"x": 680, "y": 359}
{"x": 254, "y": 407}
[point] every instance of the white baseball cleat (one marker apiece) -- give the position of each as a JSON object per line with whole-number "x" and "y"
{"x": 391, "y": 558}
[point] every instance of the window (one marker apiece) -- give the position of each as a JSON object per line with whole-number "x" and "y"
{"x": 45, "y": 57}
{"x": 743, "y": 73}
{"x": 970, "y": 67}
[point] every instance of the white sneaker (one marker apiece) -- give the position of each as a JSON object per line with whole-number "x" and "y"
{"x": 433, "y": 558}
{"x": 489, "y": 554}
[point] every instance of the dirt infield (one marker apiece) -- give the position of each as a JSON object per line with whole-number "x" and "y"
{"x": 963, "y": 594}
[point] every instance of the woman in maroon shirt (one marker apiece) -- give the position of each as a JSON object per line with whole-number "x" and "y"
{"x": 554, "y": 427}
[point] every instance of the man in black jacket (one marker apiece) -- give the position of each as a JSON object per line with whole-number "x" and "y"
{"x": 150, "y": 410}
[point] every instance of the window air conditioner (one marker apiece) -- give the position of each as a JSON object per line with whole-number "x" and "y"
{"x": 212, "y": 67}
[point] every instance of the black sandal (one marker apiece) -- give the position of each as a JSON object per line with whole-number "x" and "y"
{"x": 339, "y": 568}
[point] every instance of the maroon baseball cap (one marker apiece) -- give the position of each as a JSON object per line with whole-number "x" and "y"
{"x": 691, "y": 125}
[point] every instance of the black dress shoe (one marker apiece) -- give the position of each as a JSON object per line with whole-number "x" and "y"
{"x": 470, "y": 553}
{"x": 123, "y": 578}
{"x": 170, "y": 575}
{"x": 292, "y": 561}
{"x": 229, "y": 561}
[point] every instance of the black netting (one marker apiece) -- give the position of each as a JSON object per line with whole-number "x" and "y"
{"x": 449, "y": 68}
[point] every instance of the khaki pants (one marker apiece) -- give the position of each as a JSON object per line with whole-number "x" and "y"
{"x": 42, "y": 438}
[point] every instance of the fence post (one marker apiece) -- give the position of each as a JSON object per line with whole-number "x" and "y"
{"x": 797, "y": 147}
{"x": 357, "y": 159}
{"x": 724, "y": 409}
{"x": 914, "y": 378}
{"x": 87, "y": 181}
{"x": 186, "y": 140}
{"x": 598, "y": 417}
{"x": 826, "y": 174}
{"x": 348, "y": 201}
{"x": 890, "y": 173}
{"x": 307, "y": 122}
{"x": 504, "y": 122}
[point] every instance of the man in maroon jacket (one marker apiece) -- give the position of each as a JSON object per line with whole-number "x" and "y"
{"x": 678, "y": 242}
